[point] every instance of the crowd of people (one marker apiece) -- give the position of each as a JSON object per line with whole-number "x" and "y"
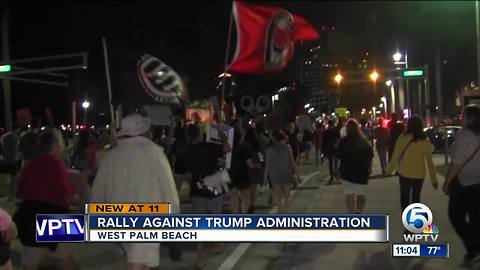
{"x": 152, "y": 164}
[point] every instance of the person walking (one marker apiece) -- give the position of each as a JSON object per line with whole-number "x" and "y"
{"x": 241, "y": 158}
{"x": 396, "y": 128}
{"x": 382, "y": 144}
{"x": 330, "y": 142}
{"x": 366, "y": 130}
{"x": 79, "y": 159}
{"x": 9, "y": 143}
{"x": 462, "y": 185}
{"x": 28, "y": 144}
{"x": 255, "y": 167}
{"x": 318, "y": 138}
{"x": 205, "y": 159}
{"x": 292, "y": 134}
{"x": 44, "y": 187}
{"x": 136, "y": 170}
{"x": 281, "y": 169}
{"x": 355, "y": 155}
{"x": 412, "y": 150}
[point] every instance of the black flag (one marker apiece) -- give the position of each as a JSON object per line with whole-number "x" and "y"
{"x": 139, "y": 78}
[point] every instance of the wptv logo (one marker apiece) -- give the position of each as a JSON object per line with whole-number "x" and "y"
{"x": 417, "y": 219}
{"x": 60, "y": 228}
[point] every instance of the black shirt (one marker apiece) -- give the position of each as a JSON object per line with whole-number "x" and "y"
{"x": 355, "y": 156}
{"x": 239, "y": 167}
{"x": 330, "y": 137}
{"x": 203, "y": 159}
{"x": 396, "y": 129}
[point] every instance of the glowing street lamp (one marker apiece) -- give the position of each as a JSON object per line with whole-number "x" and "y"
{"x": 388, "y": 83}
{"x": 338, "y": 78}
{"x": 397, "y": 57}
{"x": 374, "y": 76}
{"x": 85, "y": 104}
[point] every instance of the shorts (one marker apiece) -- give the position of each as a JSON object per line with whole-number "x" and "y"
{"x": 202, "y": 205}
{"x": 143, "y": 253}
{"x": 33, "y": 255}
{"x": 353, "y": 188}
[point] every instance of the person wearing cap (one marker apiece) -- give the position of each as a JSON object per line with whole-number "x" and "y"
{"x": 136, "y": 170}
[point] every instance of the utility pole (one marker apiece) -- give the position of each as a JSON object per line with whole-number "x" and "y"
{"x": 7, "y": 95}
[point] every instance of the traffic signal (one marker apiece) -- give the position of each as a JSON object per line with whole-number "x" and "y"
{"x": 374, "y": 76}
{"x": 338, "y": 78}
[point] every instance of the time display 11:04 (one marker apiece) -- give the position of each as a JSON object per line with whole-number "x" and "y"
{"x": 400, "y": 250}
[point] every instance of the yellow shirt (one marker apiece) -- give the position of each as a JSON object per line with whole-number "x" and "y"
{"x": 412, "y": 164}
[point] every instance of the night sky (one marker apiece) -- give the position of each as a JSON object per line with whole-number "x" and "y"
{"x": 191, "y": 37}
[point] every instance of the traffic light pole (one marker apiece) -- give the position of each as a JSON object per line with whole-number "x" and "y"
{"x": 7, "y": 95}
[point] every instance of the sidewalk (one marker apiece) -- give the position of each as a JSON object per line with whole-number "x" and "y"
{"x": 313, "y": 197}
{"x": 383, "y": 197}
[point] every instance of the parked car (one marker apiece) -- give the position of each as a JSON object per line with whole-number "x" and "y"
{"x": 441, "y": 134}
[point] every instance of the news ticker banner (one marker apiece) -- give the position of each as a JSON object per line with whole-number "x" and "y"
{"x": 432, "y": 250}
{"x": 153, "y": 223}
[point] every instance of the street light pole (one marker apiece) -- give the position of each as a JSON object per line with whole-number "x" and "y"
{"x": 407, "y": 89}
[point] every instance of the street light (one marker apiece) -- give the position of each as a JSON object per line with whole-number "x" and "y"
{"x": 374, "y": 76}
{"x": 338, "y": 78}
{"x": 397, "y": 57}
{"x": 388, "y": 83}
{"x": 85, "y": 104}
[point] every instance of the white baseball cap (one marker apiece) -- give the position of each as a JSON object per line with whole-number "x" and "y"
{"x": 134, "y": 125}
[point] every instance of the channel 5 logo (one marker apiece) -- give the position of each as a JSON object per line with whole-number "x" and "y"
{"x": 417, "y": 218}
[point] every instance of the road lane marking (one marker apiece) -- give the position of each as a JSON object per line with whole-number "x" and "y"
{"x": 242, "y": 248}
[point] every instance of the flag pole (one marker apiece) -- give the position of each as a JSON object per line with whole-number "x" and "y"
{"x": 109, "y": 87}
{"x": 227, "y": 52}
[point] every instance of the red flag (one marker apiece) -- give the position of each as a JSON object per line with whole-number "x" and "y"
{"x": 265, "y": 37}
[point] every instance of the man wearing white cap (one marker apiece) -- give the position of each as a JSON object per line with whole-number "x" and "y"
{"x": 136, "y": 170}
